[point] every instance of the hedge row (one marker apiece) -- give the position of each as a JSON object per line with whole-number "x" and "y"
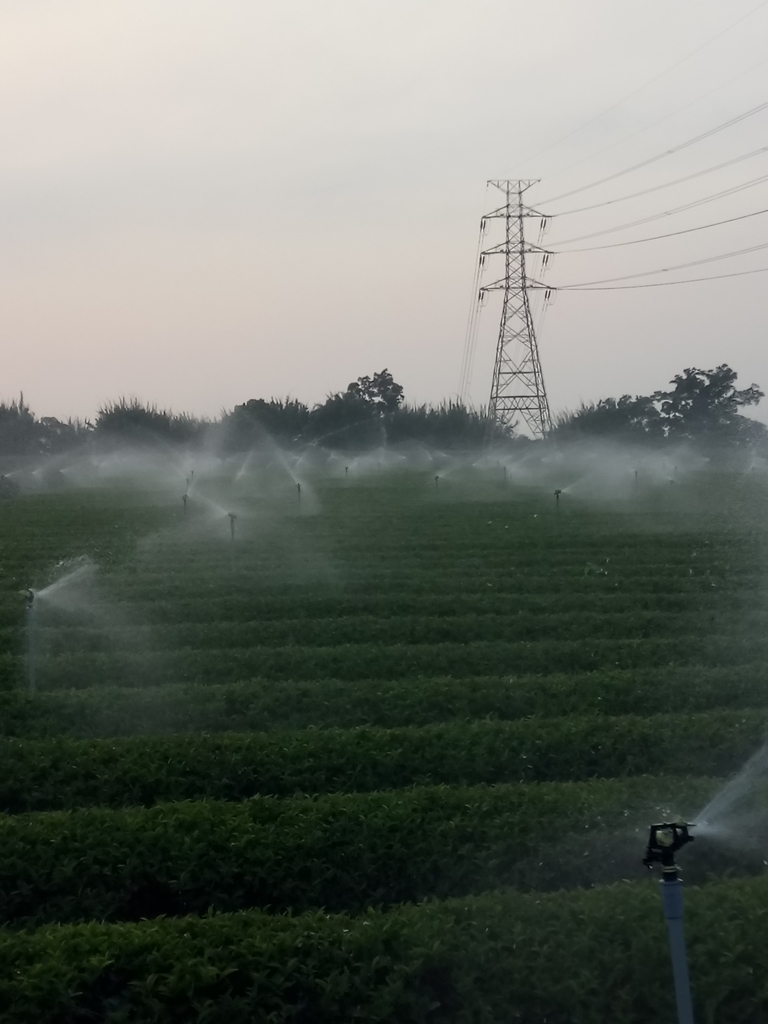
{"x": 352, "y": 662}
{"x": 341, "y": 852}
{"x": 249, "y": 607}
{"x": 584, "y": 957}
{"x": 265, "y": 705}
{"x": 61, "y": 773}
{"x": 406, "y": 629}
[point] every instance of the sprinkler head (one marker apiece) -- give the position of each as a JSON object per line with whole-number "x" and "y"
{"x": 664, "y": 840}
{"x": 558, "y": 492}
{"x": 30, "y": 596}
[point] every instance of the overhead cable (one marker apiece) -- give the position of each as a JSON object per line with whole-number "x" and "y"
{"x": 659, "y": 120}
{"x": 659, "y": 156}
{"x": 651, "y": 81}
{"x": 668, "y": 213}
{"x": 666, "y": 184}
{"x": 666, "y": 270}
{"x": 654, "y": 284}
{"x": 669, "y": 234}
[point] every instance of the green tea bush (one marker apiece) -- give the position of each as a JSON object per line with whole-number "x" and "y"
{"x": 266, "y": 705}
{"x": 340, "y": 852}
{"x": 62, "y": 773}
{"x": 586, "y": 956}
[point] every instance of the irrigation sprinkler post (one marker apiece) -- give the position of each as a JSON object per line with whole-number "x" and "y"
{"x": 31, "y": 674}
{"x": 184, "y": 502}
{"x": 437, "y": 483}
{"x": 558, "y": 492}
{"x": 505, "y": 476}
{"x": 663, "y": 842}
{"x": 298, "y": 492}
{"x": 232, "y": 518}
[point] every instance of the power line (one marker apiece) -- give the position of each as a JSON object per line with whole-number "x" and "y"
{"x": 668, "y": 213}
{"x": 651, "y": 81}
{"x": 653, "y": 284}
{"x": 660, "y": 156}
{"x": 666, "y": 270}
{"x": 669, "y": 234}
{"x": 659, "y": 120}
{"x": 666, "y": 184}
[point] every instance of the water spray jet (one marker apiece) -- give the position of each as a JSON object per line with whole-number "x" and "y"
{"x": 664, "y": 840}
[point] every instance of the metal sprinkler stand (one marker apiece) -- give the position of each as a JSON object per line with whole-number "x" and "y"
{"x": 664, "y": 841}
{"x": 184, "y": 498}
{"x": 437, "y": 482}
{"x": 32, "y": 681}
{"x": 558, "y": 492}
{"x": 298, "y": 492}
{"x": 232, "y": 519}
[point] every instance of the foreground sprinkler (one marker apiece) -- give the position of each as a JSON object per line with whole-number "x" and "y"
{"x": 184, "y": 498}
{"x": 232, "y": 520}
{"x": 437, "y": 482}
{"x": 558, "y": 492}
{"x": 32, "y": 681}
{"x": 664, "y": 841}
{"x": 298, "y": 492}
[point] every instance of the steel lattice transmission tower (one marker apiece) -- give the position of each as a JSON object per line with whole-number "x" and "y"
{"x": 518, "y": 387}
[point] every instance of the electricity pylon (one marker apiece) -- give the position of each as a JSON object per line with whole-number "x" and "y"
{"x": 518, "y": 383}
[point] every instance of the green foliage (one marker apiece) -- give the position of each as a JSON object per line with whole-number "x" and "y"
{"x": 265, "y": 705}
{"x": 702, "y": 408}
{"x": 258, "y": 422}
{"x": 704, "y": 405}
{"x": 380, "y": 390}
{"x": 582, "y": 956}
{"x": 62, "y": 773}
{"x": 23, "y": 434}
{"x": 399, "y": 692}
{"x": 132, "y": 422}
{"x": 340, "y": 852}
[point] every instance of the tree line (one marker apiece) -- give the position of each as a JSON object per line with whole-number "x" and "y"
{"x": 702, "y": 407}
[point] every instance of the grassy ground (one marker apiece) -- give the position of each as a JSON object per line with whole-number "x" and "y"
{"x": 383, "y": 691}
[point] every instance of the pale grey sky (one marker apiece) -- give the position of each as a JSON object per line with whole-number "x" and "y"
{"x": 202, "y": 202}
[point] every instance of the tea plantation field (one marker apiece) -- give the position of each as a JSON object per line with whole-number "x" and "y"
{"x": 387, "y": 754}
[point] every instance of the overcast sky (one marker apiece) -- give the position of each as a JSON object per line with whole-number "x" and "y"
{"x": 205, "y": 202}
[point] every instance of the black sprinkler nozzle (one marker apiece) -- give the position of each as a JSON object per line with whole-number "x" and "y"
{"x": 664, "y": 840}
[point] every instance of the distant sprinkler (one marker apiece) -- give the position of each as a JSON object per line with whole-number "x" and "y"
{"x": 635, "y": 479}
{"x": 346, "y": 471}
{"x": 298, "y": 493}
{"x": 505, "y": 476}
{"x": 31, "y": 638}
{"x": 437, "y": 482}
{"x": 184, "y": 502}
{"x": 232, "y": 520}
{"x": 558, "y": 492}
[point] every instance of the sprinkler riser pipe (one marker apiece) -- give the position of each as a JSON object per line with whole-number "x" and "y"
{"x": 31, "y": 667}
{"x": 672, "y": 900}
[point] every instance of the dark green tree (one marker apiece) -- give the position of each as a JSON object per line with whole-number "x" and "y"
{"x": 625, "y": 419}
{"x": 380, "y": 390}
{"x": 704, "y": 405}
{"x": 256, "y": 421}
